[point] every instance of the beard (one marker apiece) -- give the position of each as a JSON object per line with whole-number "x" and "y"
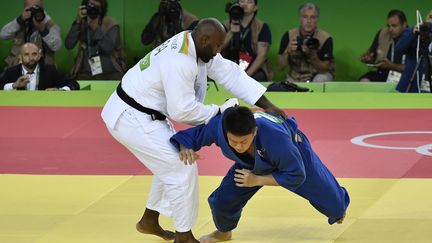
{"x": 206, "y": 54}
{"x": 30, "y": 65}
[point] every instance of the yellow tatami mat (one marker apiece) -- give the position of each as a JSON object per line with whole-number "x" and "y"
{"x": 59, "y": 209}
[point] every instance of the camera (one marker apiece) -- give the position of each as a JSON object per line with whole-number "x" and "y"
{"x": 93, "y": 11}
{"x": 425, "y": 32}
{"x": 170, "y": 8}
{"x": 37, "y": 13}
{"x": 308, "y": 41}
{"x": 235, "y": 11}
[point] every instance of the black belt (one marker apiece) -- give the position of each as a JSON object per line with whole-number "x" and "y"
{"x": 155, "y": 115}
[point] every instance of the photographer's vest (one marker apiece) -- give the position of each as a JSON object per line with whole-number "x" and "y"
{"x": 186, "y": 20}
{"x": 256, "y": 27}
{"x": 118, "y": 56}
{"x": 384, "y": 43}
{"x": 299, "y": 64}
{"x": 21, "y": 38}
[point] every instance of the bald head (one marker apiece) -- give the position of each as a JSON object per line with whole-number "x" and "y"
{"x": 210, "y": 27}
{"x": 29, "y": 47}
{"x": 208, "y": 37}
{"x": 29, "y": 3}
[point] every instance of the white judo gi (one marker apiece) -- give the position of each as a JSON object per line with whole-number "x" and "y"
{"x": 170, "y": 80}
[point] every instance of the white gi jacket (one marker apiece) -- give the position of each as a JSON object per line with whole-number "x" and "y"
{"x": 172, "y": 81}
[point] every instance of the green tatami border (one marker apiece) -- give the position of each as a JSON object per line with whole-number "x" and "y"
{"x": 356, "y": 100}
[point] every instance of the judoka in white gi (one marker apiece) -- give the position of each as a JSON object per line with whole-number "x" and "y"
{"x": 171, "y": 81}
{"x": 267, "y": 150}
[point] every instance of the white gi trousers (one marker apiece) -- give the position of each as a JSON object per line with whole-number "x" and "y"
{"x": 174, "y": 190}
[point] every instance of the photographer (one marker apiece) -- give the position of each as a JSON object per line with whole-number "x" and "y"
{"x": 32, "y": 25}
{"x": 248, "y": 40}
{"x": 412, "y": 79}
{"x": 381, "y": 53}
{"x": 307, "y": 50}
{"x": 168, "y": 21}
{"x": 100, "y": 55}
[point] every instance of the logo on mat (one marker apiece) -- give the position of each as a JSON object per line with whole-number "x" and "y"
{"x": 425, "y": 149}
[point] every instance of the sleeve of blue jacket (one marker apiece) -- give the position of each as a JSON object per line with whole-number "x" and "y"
{"x": 285, "y": 156}
{"x": 199, "y": 136}
{"x": 406, "y": 42}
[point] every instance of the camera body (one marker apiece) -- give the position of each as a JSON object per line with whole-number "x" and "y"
{"x": 425, "y": 32}
{"x": 93, "y": 11}
{"x": 170, "y": 9}
{"x": 37, "y": 13}
{"x": 235, "y": 11}
{"x": 309, "y": 41}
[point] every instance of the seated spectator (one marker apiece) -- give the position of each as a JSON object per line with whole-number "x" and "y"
{"x": 32, "y": 25}
{"x": 307, "y": 50}
{"x": 168, "y": 21}
{"x": 248, "y": 41}
{"x": 381, "y": 53}
{"x": 100, "y": 55}
{"x": 32, "y": 74}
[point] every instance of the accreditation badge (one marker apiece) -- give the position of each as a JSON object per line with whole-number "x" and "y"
{"x": 244, "y": 60}
{"x": 95, "y": 65}
{"x": 394, "y": 77}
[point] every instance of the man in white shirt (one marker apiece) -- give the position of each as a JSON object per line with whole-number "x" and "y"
{"x": 32, "y": 74}
{"x": 171, "y": 81}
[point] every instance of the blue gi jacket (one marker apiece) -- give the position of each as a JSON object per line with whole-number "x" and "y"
{"x": 275, "y": 152}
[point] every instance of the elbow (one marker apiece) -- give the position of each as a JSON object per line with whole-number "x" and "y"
{"x": 69, "y": 45}
{"x": 281, "y": 63}
{"x": 298, "y": 180}
{"x": 56, "y": 46}
{"x": 280, "y": 66}
{"x": 183, "y": 117}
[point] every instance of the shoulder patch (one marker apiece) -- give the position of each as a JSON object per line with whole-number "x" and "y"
{"x": 185, "y": 46}
{"x": 145, "y": 62}
{"x": 259, "y": 114}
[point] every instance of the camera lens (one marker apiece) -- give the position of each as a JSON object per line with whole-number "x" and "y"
{"x": 92, "y": 11}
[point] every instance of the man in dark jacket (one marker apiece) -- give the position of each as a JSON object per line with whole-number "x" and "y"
{"x": 32, "y": 74}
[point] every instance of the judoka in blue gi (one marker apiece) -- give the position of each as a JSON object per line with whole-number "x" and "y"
{"x": 267, "y": 150}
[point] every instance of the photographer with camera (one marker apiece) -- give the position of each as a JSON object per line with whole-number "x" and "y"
{"x": 381, "y": 53}
{"x": 100, "y": 55}
{"x": 248, "y": 40}
{"x": 307, "y": 50}
{"x": 32, "y": 25}
{"x": 415, "y": 44}
{"x": 168, "y": 21}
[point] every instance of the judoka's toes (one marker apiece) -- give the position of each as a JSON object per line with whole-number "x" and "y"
{"x": 155, "y": 230}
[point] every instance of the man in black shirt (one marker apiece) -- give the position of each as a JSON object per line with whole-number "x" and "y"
{"x": 248, "y": 42}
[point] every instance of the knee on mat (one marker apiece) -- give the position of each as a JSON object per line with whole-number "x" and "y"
{"x": 221, "y": 204}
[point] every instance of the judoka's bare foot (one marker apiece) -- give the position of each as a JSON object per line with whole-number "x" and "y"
{"x": 185, "y": 237}
{"x": 340, "y": 221}
{"x": 149, "y": 224}
{"x": 155, "y": 230}
{"x": 216, "y": 236}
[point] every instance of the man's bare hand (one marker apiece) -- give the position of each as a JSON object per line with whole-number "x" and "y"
{"x": 245, "y": 178}
{"x": 21, "y": 82}
{"x": 188, "y": 156}
{"x": 25, "y": 14}
{"x": 384, "y": 64}
{"x": 277, "y": 111}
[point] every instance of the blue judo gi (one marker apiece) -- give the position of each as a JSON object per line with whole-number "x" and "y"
{"x": 280, "y": 150}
